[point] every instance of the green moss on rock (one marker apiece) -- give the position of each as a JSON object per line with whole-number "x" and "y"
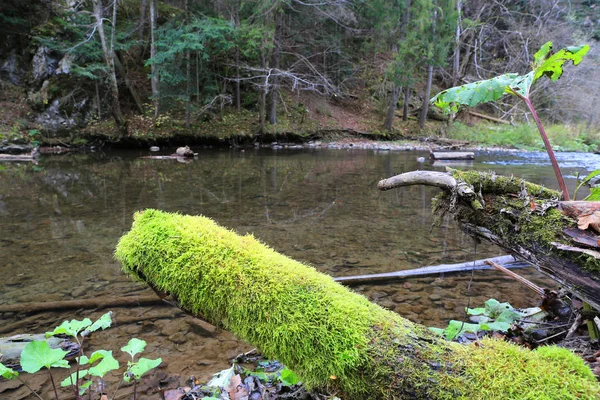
{"x": 332, "y": 337}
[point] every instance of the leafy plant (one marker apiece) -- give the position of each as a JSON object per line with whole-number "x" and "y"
{"x": 594, "y": 190}
{"x": 546, "y": 63}
{"x": 38, "y": 354}
{"x": 495, "y": 316}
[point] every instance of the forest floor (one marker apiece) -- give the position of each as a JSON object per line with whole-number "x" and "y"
{"x": 303, "y": 119}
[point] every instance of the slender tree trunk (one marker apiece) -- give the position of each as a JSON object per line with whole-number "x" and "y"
{"x": 391, "y": 112}
{"x": 238, "y": 94}
{"x": 188, "y": 72}
{"x": 405, "y": 104}
{"x": 275, "y": 63}
{"x": 425, "y": 108}
{"x": 153, "y": 69}
{"x": 110, "y": 63}
{"x": 456, "y": 56}
{"x": 142, "y": 25}
{"x": 121, "y": 69}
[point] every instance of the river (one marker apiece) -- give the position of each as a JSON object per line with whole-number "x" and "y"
{"x": 61, "y": 219}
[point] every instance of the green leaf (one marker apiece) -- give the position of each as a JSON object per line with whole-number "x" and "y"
{"x": 438, "y": 331}
{"x": 107, "y": 364}
{"x": 102, "y": 323}
{"x": 134, "y": 347}
{"x": 38, "y": 354}
{"x": 594, "y": 195}
{"x": 136, "y": 370}
{"x": 496, "y": 326}
{"x": 457, "y": 328}
{"x": 84, "y": 387}
{"x": 221, "y": 379}
{"x": 474, "y": 93}
{"x": 508, "y": 316}
{"x": 7, "y": 373}
{"x": 493, "y": 308}
{"x": 288, "y": 377}
{"x": 70, "y": 380}
{"x": 551, "y": 65}
{"x": 476, "y": 311}
{"x": 70, "y": 328}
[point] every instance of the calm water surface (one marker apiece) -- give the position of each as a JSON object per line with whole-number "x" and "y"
{"x": 60, "y": 221}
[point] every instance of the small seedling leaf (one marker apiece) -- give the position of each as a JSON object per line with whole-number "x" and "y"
{"x": 136, "y": 370}
{"x": 108, "y": 363}
{"x": 221, "y": 379}
{"x": 7, "y": 373}
{"x": 84, "y": 387}
{"x": 102, "y": 323}
{"x": 288, "y": 377}
{"x": 476, "y": 311}
{"x": 135, "y": 346}
{"x": 71, "y": 379}
{"x": 38, "y": 354}
{"x": 70, "y": 328}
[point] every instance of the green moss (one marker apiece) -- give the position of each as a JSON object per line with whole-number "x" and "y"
{"x": 499, "y": 370}
{"x": 490, "y": 183}
{"x": 331, "y": 337}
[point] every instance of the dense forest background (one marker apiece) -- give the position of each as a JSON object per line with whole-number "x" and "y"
{"x": 148, "y": 67}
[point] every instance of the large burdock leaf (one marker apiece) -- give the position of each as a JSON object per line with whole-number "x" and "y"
{"x": 546, "y": 63}
{"x": 38, "y": 354}
{"x": 591, "y": 220}
{"x": 136, "y": 370}
{"x": 134, "y": 347}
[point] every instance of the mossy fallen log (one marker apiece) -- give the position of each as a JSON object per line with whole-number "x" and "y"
{"x": 331, "y": 337}
{"x": 525, "y": 219}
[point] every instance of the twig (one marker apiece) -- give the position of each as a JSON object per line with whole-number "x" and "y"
{"x": 578, "y": 321}
{"x": 519, "y": 278}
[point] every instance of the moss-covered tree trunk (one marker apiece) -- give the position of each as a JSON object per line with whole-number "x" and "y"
{"x": 525, "y": 219}
{"x": 332, "y": 337}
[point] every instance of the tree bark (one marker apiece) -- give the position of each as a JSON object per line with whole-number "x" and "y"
{"x": 391, "y": 112}
{"x": 524, "y": 219}
{"x": 108, "y": 53}
{"x": 188, "y": 73}
{"x": 275, "y": 64}
{"x": 153, "y": 69}
{"x": 331, "y": 337}
{"x": 456, "y": 55}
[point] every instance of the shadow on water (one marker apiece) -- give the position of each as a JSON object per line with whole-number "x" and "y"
{"x": 62, "y": 218}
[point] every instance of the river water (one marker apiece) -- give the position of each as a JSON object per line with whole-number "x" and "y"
{"x": 61, "y": 219}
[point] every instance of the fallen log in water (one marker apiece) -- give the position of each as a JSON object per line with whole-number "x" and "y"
{"x": 432, "y": 270}
{"x": 452, "y": 155}
{"x": 525, "y": 219}
{"x": 332, "y": 337}
{"x": 11, "y": 347}
{"x": 96, "y": 302}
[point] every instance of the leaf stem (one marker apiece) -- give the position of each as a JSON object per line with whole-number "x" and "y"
{"x": 53, "y": 384}
{"x": 557, "y": 172}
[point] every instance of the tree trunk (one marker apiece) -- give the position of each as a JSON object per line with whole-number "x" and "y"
{"x": 405, "y": 104}
{"x": 456, "y": 55}
{"x": 331, "y": 337}
{"x": 391, "y": 112}
{"x": 238, "y": 94}
{"x": 188, "y": 72}
{"x": 275, "y": 64}
{"x": 142, "y": 25}
{"x": 524, "y": 219}
{"x": 153, "y": 69}
{"x": 136, "y": 98}
{"x": 427, "y": 94}
{"x": 108, "y": 53}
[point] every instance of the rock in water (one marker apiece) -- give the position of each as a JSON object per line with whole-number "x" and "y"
{"x": 184, "y": 152}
